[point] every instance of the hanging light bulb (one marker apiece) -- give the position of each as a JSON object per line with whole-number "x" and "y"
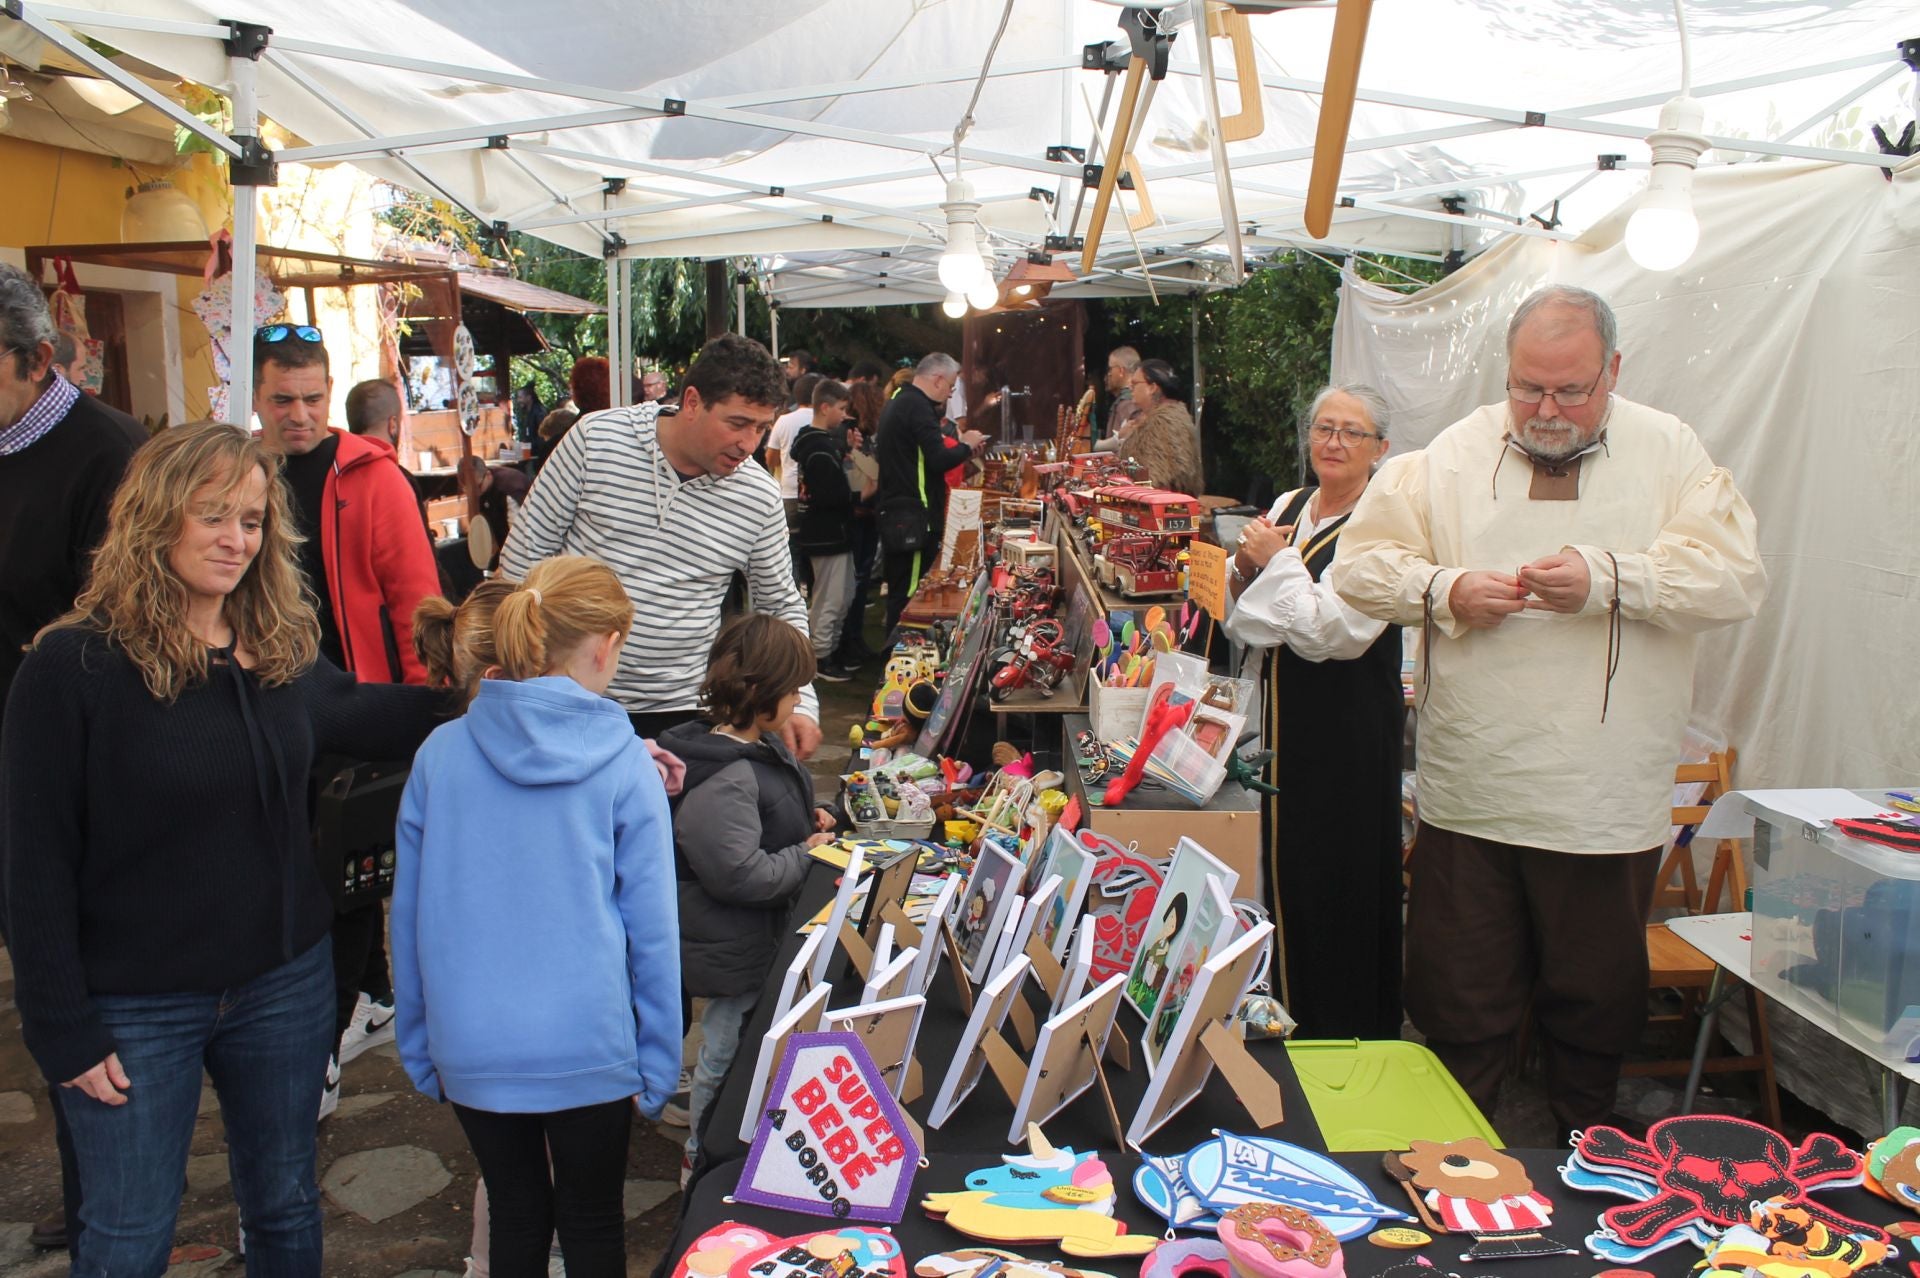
{"x": 1663, "y": 232}
{"x": 983, "y": 296}
{"x": 960, "y": 264}
{"x": 955, "y": 306}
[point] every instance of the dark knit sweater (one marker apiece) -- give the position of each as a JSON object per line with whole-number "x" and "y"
{"x": 54, "y": 496}
{"x": 148, "y": 848}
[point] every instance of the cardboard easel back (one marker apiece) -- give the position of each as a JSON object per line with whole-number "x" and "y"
{"x": 1008, "y": 1069}
{"x": 1258, "y": 1090}
{"x": 1046, "y": 968}
{"x": 957, "y": 964}
{"x": 859, "y": 953}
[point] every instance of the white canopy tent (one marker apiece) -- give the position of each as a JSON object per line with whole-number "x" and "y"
{"x": 822, "y": 131}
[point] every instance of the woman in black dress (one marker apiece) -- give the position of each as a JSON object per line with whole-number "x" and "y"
{"x": 1334, "y": 717}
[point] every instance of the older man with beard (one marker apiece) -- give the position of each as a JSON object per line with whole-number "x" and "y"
{"x": 1560, "y": 551}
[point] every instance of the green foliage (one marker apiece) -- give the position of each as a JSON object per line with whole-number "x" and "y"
{"x": 1264, "y": 353}
{"x": 210, "y": 107}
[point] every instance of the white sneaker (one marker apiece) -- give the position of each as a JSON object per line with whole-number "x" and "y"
{"x": 371, "y": 1026}
{"x": 330, "y": 1094}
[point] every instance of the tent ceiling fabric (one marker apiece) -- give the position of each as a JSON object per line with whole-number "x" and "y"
{"x": 847, "y": 106}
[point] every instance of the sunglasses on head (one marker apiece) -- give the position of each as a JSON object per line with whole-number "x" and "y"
{"x": 288, "y": 332}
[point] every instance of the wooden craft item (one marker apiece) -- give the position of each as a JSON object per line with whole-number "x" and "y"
{"x": 798, "y": 979}
{"x": 888, "y": 887}
{"x": 957, "y": 964}
{"x": 1175, "y": 915}
{"x": 1046, "y": 968}
{"x": 894, "y": 980}
{"x": 1184, "y": 1065}
{"x": 836, "y": 925}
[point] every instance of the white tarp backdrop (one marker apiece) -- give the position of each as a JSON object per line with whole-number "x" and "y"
{"x": 1791, "y": 343}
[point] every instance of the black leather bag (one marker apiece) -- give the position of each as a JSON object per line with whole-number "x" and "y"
{"x": 903, "y": 525}
{"x": 353, "y": 819}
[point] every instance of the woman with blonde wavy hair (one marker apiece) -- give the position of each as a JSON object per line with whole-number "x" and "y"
{"x": 161, "y": 900}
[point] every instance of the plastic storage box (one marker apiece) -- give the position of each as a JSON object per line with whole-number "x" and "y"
{"x": 1836, "y": 930}
{"x": 1383, "y": 1095}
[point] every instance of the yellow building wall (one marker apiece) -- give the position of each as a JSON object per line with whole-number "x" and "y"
{"x": 57, "y": 196}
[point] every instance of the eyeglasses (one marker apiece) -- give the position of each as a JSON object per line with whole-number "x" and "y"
{"x": 1348, "y": 435}
{"x": 1564, "y": 398}
{"x": 289, "y": 332}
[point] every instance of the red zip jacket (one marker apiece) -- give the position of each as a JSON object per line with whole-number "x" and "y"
{"x": 378, "y": 559}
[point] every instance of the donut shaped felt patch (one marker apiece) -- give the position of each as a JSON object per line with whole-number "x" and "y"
{"x": 1269, "y": 1240}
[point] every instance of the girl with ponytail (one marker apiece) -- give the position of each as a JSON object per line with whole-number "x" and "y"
{"x": 535, "y": 945}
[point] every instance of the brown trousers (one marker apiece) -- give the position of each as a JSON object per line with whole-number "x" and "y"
{"x": 1495, "y": 930}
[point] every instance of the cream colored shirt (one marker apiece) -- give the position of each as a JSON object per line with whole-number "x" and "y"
{"x": 1285, "y": 605}
{"x": 1512, "y": 744}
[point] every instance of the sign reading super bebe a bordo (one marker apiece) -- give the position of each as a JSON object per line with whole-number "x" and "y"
{"x": 831, "y": 1140}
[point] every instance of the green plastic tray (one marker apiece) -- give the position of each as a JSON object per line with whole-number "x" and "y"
{"x": 1383, "y": 1095}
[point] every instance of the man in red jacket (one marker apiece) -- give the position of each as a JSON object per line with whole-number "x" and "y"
{"x": 370, "y": 562}
{"x": 366, "y": 555}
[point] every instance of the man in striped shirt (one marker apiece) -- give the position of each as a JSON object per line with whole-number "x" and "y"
{"x": 675, "y": 504}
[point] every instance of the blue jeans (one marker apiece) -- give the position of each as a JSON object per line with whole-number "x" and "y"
{"x": 265, "y": 1044}
{"x": 720, "y": 1026}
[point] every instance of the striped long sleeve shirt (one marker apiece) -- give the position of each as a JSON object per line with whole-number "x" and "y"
{"x": 608, "y": 492}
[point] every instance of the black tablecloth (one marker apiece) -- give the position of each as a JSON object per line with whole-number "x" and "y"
{"x": 980, "y": 1123}
{"x": 1573, "y": 1219}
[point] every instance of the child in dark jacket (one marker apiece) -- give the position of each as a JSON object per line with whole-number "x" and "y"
{"x": 742, "y": 828}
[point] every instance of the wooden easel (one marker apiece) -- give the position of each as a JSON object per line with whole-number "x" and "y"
{"x": 1258, "y": 1091}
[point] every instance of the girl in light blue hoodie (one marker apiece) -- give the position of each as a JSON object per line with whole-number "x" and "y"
{"x": 535, "y": 945}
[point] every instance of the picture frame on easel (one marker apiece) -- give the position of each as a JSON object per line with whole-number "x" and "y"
{"x": 804, "y": 1017}
{"x": 1214, "y": 923}
{"x": 1203, "y": 1040}
{"x": 1173, "y": 916}
{"x": 1066, "y": 1060}
{"x": 980, "y": 1044}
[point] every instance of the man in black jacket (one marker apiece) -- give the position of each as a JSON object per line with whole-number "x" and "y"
{"x": 914, "y": 459}
{"x": 824, "y": 531}
{"x": 62, "y": 453}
